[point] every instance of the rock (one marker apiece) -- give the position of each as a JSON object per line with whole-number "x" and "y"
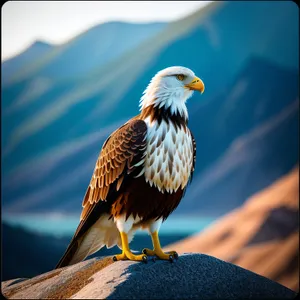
{"x": 192, "y": 276}
{"x": 262, "y": 235}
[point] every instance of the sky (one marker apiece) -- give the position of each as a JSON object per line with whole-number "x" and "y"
{"x": 24, "y": 22}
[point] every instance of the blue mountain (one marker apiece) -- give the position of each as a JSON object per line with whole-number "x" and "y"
{"x": 249, "y": 137}
{"x": 57, "y": 112}
{"x": 27, "y": 57}
{"x": 89, "y": 50}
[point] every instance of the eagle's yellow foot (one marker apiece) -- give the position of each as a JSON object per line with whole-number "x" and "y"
{"x": 126, "y": 253}
{"x": 121, "y": 256}
{"x": 157, "y": 251}
{"x": 131, "y": 256}
{"x": 160, "y": 254}
{"x": 171, "y": 255}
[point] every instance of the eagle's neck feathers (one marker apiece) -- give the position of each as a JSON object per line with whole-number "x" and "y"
{"x": 163, "y": 114}
{"x": 161, "y": 102}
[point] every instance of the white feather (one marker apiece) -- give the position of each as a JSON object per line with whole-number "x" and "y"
{"x": 103, "y": 232}
{"x": 181, "y": 150}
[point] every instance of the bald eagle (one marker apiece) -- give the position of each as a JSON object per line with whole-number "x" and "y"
{"x": 141, "y": 173}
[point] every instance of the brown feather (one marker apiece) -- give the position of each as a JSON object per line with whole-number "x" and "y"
{"x": 119, "y": 183}
{"x": 124, "y": 145}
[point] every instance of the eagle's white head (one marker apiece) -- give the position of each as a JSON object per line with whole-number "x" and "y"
{"x": 170, "y": 88}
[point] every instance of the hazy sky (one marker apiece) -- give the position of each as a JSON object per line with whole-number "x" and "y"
{"x": 23, "y": 22}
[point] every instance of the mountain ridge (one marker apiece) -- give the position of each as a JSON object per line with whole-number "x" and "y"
{"x": 21, "y": 60}
{"x": 62, "y": 53}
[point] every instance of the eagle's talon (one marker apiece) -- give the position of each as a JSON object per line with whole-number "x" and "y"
{"x": 145, "y": 259}
{"x": 174, "y": 254}
{"x": 159, "y": 254}
{"x": 148, "y": 252}
{"x": 121, "y": 256}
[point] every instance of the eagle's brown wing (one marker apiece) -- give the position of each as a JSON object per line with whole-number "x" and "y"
{"x": 121, "y": 151}
{"x": 121, "y": 157}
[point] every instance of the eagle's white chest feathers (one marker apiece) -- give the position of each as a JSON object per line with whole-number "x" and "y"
{"x": 169, "y": 156}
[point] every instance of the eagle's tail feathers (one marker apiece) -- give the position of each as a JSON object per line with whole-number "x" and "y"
{"x": 103, "y": 232}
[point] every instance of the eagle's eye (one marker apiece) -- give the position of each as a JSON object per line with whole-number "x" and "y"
{"x": 180, "y": 77}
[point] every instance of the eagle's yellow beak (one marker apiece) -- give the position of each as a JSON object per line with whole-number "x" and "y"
{"x": 196, "y": 84}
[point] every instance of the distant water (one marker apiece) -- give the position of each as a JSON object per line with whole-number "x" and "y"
{"x": 59, "y": 225}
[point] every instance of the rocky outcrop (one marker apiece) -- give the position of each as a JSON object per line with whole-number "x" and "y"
{"x": 192, "y": 276}
{"x": 261, "y": 236}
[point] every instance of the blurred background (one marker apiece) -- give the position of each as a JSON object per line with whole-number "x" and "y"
{"x": 72, "y": 72}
